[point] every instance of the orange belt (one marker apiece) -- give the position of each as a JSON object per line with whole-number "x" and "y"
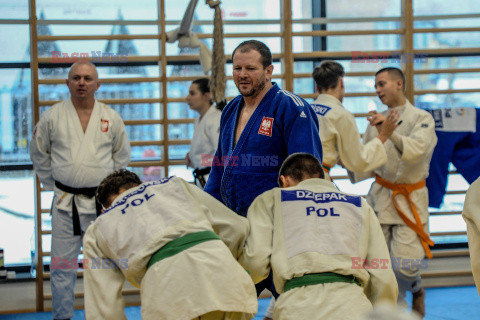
{"x": 326, "y": 167}
{"x": 405, "y": 190}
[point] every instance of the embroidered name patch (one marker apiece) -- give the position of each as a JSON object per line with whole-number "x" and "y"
{"x": 320, "y": 109}
{"x": 104, "y": 125}
{"x": 328, "y": 223}
{"x": 324, "y": 197}
{"x": 266, "y": 126}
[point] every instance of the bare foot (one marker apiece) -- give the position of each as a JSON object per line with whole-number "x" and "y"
{"x": 418, "y": 302}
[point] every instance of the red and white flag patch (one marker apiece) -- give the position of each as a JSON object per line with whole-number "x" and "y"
{"x": 104, "y": 125}
{"x": 266, "y": 126}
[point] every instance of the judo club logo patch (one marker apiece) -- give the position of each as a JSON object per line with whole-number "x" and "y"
{"x": 266, "y": 126}
{"x": 104, "y": 125}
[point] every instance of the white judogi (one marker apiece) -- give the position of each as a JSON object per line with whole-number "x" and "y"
{"x": 471, "y": 215}
{"x": 409, "y": 151}
{"x": 341, "y": 139}
{"x": 290, "y": 236}
{"x": 205, "y": 136}
{"x": 61, "y": 151}
{"x": 201, "y": 279}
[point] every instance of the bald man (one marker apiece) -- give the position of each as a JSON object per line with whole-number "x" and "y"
{"x": 76, "y": 144}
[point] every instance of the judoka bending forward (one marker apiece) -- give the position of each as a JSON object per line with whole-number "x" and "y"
{"x": 326, "y": 248}
{"x": 165, "y": 237}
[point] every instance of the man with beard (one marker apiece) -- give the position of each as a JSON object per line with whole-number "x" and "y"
{"x": 258, "y": 130}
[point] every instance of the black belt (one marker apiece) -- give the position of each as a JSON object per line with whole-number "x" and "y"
{"x": 199, "y": 174}
{"x": 87, "y": 192}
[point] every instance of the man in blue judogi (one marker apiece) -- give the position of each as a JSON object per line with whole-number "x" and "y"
{"x": 258, "y": 130}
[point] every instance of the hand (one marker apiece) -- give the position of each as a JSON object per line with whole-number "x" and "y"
{"x": 375, "y": 118}
{"x": 389, "y": 125}
{"x": 370, "y": 116}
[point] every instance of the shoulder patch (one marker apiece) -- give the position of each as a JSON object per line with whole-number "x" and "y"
{"x": 320, "y": 109}
{"x": 296, "y": 99}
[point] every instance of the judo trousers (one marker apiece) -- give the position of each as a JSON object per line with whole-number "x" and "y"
{"x": 64, "y": 253}
{"x": 408, "y": 257}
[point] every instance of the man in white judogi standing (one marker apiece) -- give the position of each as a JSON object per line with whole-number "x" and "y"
{"x": 399, "y": 194}
{"x": 76, "y": 144}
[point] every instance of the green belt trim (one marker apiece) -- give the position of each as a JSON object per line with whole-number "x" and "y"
{"x": 326, "y": 167}
{"x": 180, "y": 244}
{"x": 318, "y": 278}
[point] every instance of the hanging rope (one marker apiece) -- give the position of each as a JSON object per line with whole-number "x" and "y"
{"x": 217, "y": 79}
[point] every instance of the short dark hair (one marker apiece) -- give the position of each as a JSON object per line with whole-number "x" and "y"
{"x": 111, "y": 185}
{"x": 258, "y": 46}
{"x": 300, "y": 166}
{"x": 326, "y": 75}
{"x": 396, "y": 72}
{"x": 203, "y": 84}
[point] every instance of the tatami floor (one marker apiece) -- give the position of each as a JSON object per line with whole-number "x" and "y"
{"x": 449, "y": 297}
{"x": 453, "y": 303}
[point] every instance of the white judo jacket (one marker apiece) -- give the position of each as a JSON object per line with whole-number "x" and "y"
{"x": 409, "y": 151}
{"x": 205, "y": 138}
{"x": 198, "y": 280}
{"x": 341, "y": 139}
{"x": 314, "y": 228}
{"x": 471, "y": 215}
{"x": 61, "y": 151}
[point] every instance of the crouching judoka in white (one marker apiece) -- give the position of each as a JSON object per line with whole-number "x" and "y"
{"x": 76, "y": 144}
{"x": 165, "y": 237}
{"x": 471, "y": 215}
{"x": 318, "y": 242}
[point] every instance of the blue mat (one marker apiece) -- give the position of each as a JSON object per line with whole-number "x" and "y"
{"x": 133, "y": 313}
{"x": 457, "y": 303}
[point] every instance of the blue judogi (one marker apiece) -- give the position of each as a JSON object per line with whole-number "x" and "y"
{"x": 282, "y": 124}
{"x": 458, "y": 143}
